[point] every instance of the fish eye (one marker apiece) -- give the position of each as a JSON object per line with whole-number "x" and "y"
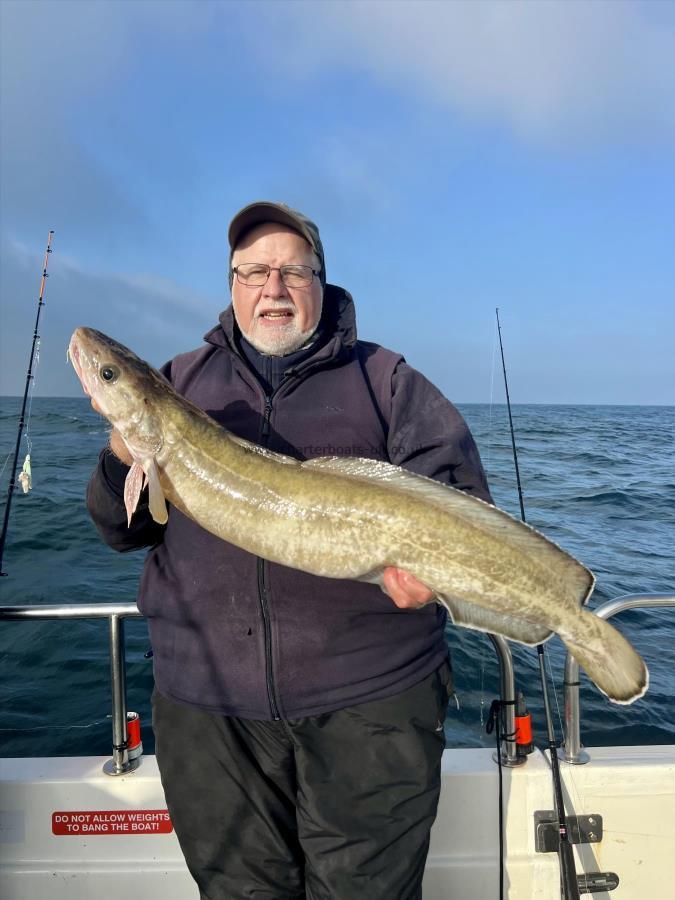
{"x": 109, "y": 373}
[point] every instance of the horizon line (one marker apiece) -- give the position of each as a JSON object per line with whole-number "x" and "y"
{"x": 454, "y": 402}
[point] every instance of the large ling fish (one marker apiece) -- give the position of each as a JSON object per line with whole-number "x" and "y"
{"x": 351, "y": 518}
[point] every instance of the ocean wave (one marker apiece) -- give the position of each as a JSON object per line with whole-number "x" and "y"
{"x": 626, "y": 500}
{"x": 598, "y": 480}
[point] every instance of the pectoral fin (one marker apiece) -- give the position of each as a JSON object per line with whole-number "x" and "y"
{"x": 132, "y": 489}
{"x": 158, "y": 509}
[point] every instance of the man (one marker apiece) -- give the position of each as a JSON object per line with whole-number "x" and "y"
{"x": 298, "y": 720}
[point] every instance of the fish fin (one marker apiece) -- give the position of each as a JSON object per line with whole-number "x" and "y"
{"x": 609, "y": 660}
{"x": 375, "y": 577}
{"x": 157, "y": 503}
{"x": 358, "y": 467}
{"x": 262, "y": 451}
{"x": 474, "y": 512}
{"x": 478, "y": 618}
{"x": 133, "y": 485}
{"x": 471, "y": 615}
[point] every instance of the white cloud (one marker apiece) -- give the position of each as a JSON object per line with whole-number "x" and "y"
{"x": 551, "y": 71}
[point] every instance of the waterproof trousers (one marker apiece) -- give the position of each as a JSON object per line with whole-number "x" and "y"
{"x": 330, "y": 807}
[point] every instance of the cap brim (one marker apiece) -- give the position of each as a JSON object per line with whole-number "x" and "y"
{"x": 258, "y": 213}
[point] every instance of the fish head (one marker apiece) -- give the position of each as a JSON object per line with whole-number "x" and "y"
{"x": 124, "y": 388}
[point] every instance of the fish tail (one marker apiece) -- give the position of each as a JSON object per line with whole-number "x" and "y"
{"x": 609, "y": 660}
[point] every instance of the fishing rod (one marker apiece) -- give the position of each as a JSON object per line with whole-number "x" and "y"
{"x": 29, "y": 379}
{"x": 568, "y": 876}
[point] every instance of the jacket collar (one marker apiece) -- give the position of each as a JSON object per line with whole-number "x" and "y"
{"x": 338, "y": 320}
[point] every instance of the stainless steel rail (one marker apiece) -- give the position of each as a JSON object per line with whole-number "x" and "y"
{"x": 573, "y": 750}
{"x": 509, "y": 753}
{"x": 115, "y": 613}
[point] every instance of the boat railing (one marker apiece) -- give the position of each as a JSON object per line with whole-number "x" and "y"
{"x": 508, "y": 754}
{"x": 116, "y": 613}
{"x": 573, "y": 749}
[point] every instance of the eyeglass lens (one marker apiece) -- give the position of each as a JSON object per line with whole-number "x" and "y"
{"x": 256, "y": 274}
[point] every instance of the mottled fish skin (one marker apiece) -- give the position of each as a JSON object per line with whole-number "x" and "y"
{"x": 350, "y": 518}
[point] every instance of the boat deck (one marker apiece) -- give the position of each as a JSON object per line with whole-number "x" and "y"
{"x": 67, "y": 830}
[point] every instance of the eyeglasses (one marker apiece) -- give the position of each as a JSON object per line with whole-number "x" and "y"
{"x": 256, "y": 274}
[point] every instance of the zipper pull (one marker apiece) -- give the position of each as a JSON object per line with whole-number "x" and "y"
{"x": 266, "y": 416}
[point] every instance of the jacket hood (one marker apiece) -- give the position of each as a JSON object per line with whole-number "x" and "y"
{"x": 338, "y": 319}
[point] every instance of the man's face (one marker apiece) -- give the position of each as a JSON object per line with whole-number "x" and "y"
{"x": 276, "y": 319}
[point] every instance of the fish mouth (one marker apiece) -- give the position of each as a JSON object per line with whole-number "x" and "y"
{"x": 78, "y": 358}
{"x": 73, "y": 354}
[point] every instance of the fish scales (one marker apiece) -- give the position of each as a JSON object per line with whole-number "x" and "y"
{"x": 351, "y": 518}
{"x": 312, "y": 509}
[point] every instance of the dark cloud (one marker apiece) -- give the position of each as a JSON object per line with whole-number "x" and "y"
{"x": 59, "y": 62}
{"x": 156, "y": 319}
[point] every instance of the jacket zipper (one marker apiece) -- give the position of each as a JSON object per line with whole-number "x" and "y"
{"x": 269, "y": 673}
{"x": 262, "y": 582}
{"x": 266, "y": 417}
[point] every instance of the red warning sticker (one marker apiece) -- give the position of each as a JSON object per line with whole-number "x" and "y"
{"x": 111, "y": 821}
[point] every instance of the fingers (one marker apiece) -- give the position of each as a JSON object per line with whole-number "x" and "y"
{"x": 116, "y": 442}
{"x": 405, "y": 590}
{"x": 119, "y": 448}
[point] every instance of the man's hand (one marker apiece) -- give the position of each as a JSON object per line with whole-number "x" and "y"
{"x": 119, "y": 448}
{"x": 405, "y": 590}
{"x": 117, "y": 445}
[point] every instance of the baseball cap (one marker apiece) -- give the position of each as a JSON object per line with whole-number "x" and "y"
{"x": 267, "y": 211}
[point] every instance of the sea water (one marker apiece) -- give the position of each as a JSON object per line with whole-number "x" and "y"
{"x": 597, "y": 480}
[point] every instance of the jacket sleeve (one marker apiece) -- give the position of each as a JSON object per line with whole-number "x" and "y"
{"x": 428, "y": 435}
{"x": 105, "y": 502}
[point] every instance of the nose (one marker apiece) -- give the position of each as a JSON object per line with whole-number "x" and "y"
{"x": 274, "y": 287}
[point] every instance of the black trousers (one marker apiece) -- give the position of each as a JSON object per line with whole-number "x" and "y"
{"x": 331, "y": 807}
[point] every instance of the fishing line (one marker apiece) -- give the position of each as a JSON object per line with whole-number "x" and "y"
{"x": 495, "y": 722}
{"x": 4, "y": 465}
{"x": 26, "y": 474}
{"x": 492, "y": 394}
{"x": 32, "y": 393}
{"x": 555, "y": 691}
{"x": 54, "y": 727}
{"x": 488, "y": 470}
{"x": 482, "y": 685}
{"x": 568, "y": 876}
{"x": 25, "y": 477}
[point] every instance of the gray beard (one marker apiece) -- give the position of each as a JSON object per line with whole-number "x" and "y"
{"x": 298, "y": 340}
{"x": 304, "y": 339}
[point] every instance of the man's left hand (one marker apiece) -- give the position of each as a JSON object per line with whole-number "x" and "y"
{"x": 405, "y": 590}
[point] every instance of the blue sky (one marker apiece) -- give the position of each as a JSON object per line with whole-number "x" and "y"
{"x": 456, "y": 156}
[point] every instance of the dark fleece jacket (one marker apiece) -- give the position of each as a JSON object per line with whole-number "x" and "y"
{"x": 237, "y": 635}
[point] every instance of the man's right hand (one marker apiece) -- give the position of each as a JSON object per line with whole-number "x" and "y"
{"x": 117, "y": 445}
